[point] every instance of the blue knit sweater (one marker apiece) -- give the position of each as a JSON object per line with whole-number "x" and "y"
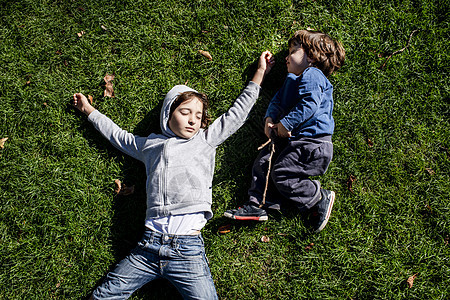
{"x": 304, "y": 104}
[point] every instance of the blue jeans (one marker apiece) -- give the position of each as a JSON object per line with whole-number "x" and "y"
{"x": 179, "y": 258}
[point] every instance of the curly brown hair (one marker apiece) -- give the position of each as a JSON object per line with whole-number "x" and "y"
{"x": 186, "y": 96}
{"x": 327, "y": 54}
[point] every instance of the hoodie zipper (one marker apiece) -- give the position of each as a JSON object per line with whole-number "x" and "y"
{"x": 164, "y": 174}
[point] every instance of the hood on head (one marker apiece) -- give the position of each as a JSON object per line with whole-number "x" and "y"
{"x": 165, "y": 111}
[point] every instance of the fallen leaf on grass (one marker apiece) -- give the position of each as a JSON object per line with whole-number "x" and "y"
{"x": 109, "y": 90}
{"x": 2, "y": 142}
{"x": 80, "y": 34}
{"x": 370, "y": 142}
{"x": 350, "y": 181}
{"x": 225, "y": 229}
{"x": 265, "y": 239}
{"x": 410, "y": 280}
{"x": 309, "y": 247}
{"x": 205, "y": 54}
{"x": 90, "y": 98}
{"x": 430, "y": 171}
{"x": 28, "y": 79}
{"x": 122, "y": 189}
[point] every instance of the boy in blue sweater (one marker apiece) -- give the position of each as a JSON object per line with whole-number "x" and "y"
{"x": 300, "y": 122}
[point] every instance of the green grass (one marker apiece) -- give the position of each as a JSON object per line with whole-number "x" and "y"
{"x": 62, "y": 228}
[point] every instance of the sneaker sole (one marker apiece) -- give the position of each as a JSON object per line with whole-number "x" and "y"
{"x": 327, "y": 217}
{"x": 231, "y": 216}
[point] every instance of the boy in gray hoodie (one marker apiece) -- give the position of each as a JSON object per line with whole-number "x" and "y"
{"x": 179, "y": 164}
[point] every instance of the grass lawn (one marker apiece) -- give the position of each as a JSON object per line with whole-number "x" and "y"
{"x": 61, "y": 225}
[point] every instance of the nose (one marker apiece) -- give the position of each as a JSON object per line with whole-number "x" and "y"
{"x": 191, "y": 120}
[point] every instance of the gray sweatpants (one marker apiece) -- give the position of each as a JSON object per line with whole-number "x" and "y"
{"x": 292, "y": 165}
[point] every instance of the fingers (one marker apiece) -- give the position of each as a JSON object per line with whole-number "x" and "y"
{"x": 75, "y": 99}
{"x": 267, "y": 54}
{"x": 269, "y": 60}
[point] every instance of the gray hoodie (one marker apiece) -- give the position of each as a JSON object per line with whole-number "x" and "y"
{"x": 179, "y": 171}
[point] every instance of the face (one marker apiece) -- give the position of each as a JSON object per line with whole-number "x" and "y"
{"x": 297, "y": 60}
{"x": 186, "y": 119}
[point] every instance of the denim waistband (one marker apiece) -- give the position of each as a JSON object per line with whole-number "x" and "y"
{"x": 150, "y": 236}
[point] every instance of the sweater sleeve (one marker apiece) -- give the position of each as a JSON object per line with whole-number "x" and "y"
{"x": 228, "y": 123}
{"x": 310, "y": 91}
{"x": 121, "y": 139}
{"x": 274, "y": 110}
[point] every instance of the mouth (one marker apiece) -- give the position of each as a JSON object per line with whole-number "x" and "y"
{"x": 190, "y": 129}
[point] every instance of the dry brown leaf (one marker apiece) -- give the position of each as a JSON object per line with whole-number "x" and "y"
{"x": 80, "y": 34}
{"x": 205, "y": 54}
{"x": 350, "y": 181}
{"x": 91, "y": 99}
{"x": 309, "y": 247}
{"x": 123, "y": 189}
{"x": 225, "y": 229}
{"x": 126, "y": 190}
{"x": 430, "y": 171}
{"x": 370, "y": 142}
{"x": 109, "y": 90}
{"x": 265, "y": 239}
{"x": 118, "y": 186}
{"x": 410, "y": 280}
{"x": 2, "y": 142}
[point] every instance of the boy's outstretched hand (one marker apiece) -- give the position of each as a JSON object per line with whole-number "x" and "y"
{"x": 265, "y": 64}
{"x": 82, "y": 104}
